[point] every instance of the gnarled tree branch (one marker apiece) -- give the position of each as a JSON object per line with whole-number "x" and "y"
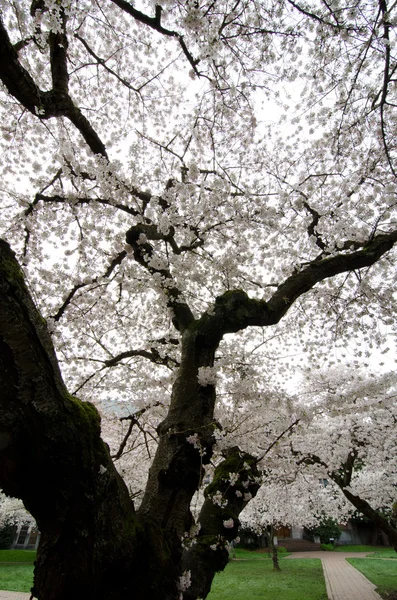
{"x": 45, "y": 104}
{"x": 235, "y": 311}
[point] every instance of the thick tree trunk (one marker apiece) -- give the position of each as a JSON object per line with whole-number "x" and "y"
{"x": 176, "y": 471}
{"x": 375, "y": 516}
{"x": 93, "y": 545}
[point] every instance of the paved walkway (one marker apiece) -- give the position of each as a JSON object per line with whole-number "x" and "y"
{"x": 13, "y": 596}
{"x": 343, "y": 581}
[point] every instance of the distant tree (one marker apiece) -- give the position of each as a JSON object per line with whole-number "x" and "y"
{"x": 12, "y": 513}
{"x": 351, "y": 443}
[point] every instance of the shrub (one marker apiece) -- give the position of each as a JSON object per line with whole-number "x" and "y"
{"x": 328, "y": 529}
{"x": 327, "y": 547}
{"x": 7, "y": 533}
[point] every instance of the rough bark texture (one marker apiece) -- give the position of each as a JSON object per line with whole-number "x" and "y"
{"x": 176, "y": 470}
{"x": 92, "y": 545}
{"x": 218, "y": 520}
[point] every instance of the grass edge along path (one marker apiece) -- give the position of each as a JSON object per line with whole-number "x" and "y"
{"x": 251, "y": 576}
{"x": 16, "y": 570}
{"x": 382, "y": 572}
{"x": 16, "y": 577}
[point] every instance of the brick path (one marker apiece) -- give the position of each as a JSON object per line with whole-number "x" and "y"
{"x": 343, "y": 581}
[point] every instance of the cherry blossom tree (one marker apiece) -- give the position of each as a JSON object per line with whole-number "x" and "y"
{"x": 342, "y": 447}
{"x": 191, "y": 190}
{"x": 352, "y": 444}
{"x": 12, "y": 511}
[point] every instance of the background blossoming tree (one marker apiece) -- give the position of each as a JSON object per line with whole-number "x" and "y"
{"x": 344, "y": 456}
{"x": 172, "y": 174}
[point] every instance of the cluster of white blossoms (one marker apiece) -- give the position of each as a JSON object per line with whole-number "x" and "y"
{"x": 12, "y": 511}
{"x": 228, "y": 524}
{"x": 194, "y": 440}
{"x": 219, "y": 500}
{"x": 189, "y": 538}
{"x": 184, "y": 582}
{"x": 206, "y": 376}
{"x": 196, "y": 443}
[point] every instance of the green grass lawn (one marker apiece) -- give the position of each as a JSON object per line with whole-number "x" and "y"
{"x": 251, "y": 576}
{"x": 17, "y": 556}
{"x": 16, "y": 577}
{"x": 376, "y": 551}
{"x": 382, "y": 573}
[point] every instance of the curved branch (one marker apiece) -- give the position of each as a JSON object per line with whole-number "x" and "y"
{"x": 278, "y": 438}
{"x": 155, "y": 23}
{"x": 75, "y": 116}
{"x": 318, "y": 270}
{"x": 117, "y": 260}
{"x": 134, "y": 420}
{"x": 386, "y": 80}
{"x": 102, "y": 62}
{"x": 153, "y": 355}
{"x": 123, "y": 444}
{"x": 312, "y": 228}
{"x": 45, "y": 105}
{"x": 235, "y": 311}
{"x": 82, "y": 200}
{"x": 312, "y": 15}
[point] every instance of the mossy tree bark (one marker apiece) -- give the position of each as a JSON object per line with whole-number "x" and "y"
{"x": 218, "y": 521}
{"x": 92, "y": 545}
